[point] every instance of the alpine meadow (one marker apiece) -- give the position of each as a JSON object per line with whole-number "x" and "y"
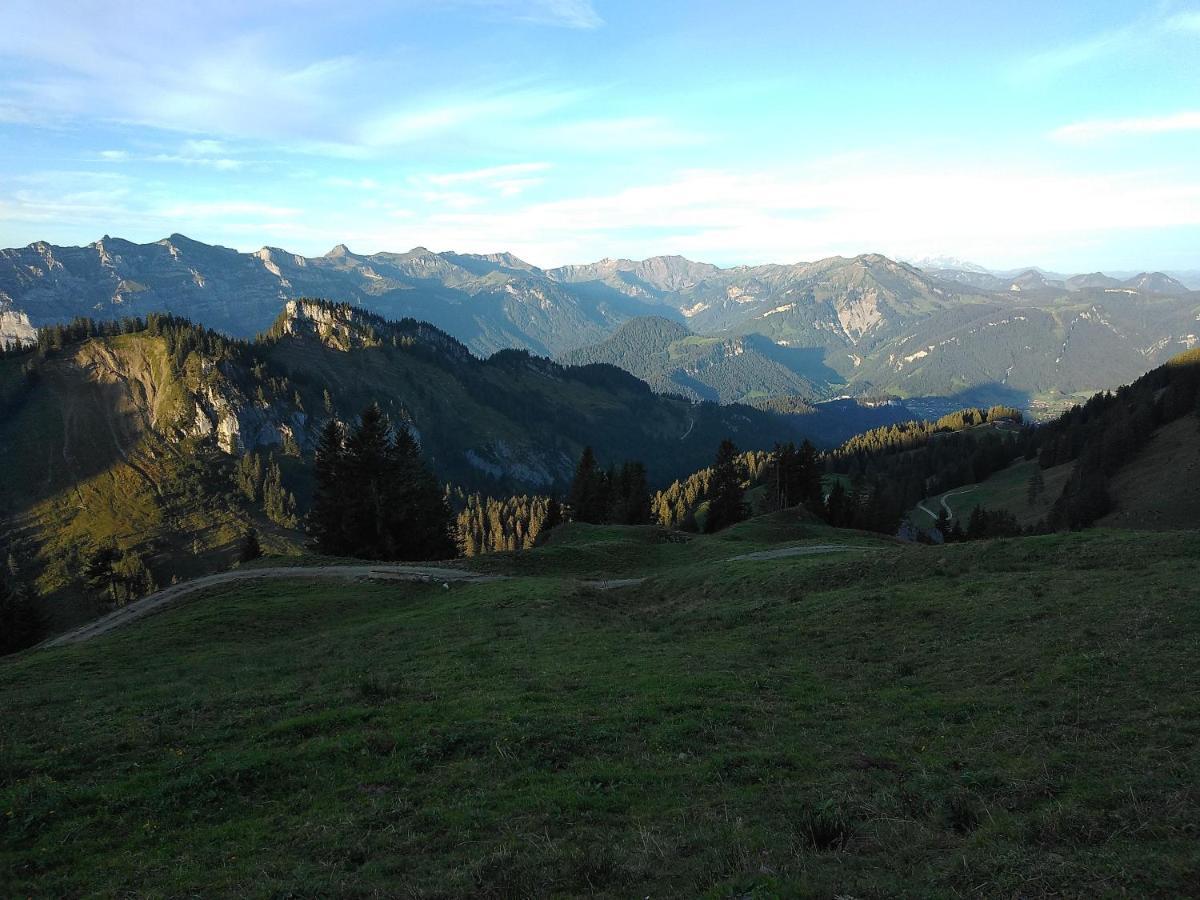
{"x": 728, "y": 451}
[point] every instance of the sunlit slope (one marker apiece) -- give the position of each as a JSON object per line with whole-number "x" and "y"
{"x": 91, "y": 453}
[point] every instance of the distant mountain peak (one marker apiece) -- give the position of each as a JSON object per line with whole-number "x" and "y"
{"x": 1155, "y": 283}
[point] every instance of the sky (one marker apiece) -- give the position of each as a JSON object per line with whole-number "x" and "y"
{"x": 1065, "y": 135}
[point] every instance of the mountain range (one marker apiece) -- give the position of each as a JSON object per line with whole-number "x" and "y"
{"x": 860, "y": 326}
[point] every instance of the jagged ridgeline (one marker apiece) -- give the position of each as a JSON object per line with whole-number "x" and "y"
{"x": 134, "y": 430}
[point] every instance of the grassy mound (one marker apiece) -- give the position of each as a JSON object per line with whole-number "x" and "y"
{"x": 1005, "y": 718}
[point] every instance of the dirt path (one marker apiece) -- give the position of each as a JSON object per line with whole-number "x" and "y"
{"x": 809, "y": 550}
{"x": 945, "y": 497}
{"x": 169, "y": 596}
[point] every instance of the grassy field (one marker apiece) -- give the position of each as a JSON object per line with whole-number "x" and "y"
{"x": 1007, "y": 489}
{"x": 1160, "y": 487}
{"x": 1012, "y": 718}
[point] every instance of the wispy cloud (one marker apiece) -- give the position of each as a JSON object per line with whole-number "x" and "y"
{"x": 1056, "y": 60}
{"x": 491, "y": 173}
{"x": 1098, "y": 129}
{"x": 1137, "y": 36}
{"x": 191, "y": 153}
{"x": 561, "y": 13}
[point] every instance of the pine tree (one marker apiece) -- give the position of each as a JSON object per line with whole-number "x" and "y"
{"x": 326, "y": 516}
{"x": 943, "y": 523}
{"x": 809, "y": 477}
{"x": 726, "y": 506}
{"x": 419, "y": 526}
{"x": 21, "y": 621}
{"x": 630, "y": 496}
{"x": 552, "y": 519}
{"x": 250, "y": 549}
{"x": 837, "y": 506}
{"x": 368, "y": 470}
{"x": 133, "y": 575}
{"x": 100, "y": 569}
{"x": 587, "y": 497}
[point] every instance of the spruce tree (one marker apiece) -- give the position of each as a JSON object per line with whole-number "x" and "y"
{"x": 419, "y": 524}
{"x": 725, "y": 506}
{"x": 368, "y": 472}
{"x": 587, "y": 500}
{"x": 327, "y": 514}
{"x": 21, "y": 621}
{"x": 551, "y": 520}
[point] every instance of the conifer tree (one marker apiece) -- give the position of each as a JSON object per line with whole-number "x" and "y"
{"x": 587, "y": 497}
{"x": 21, "y": 621}
{"x": 250, "y": 549}
{"x": 327, "y": 513}
{"x": 943, "y": 524}
{"x": 100, "y": 569}
{"x": 553, "y": 518}
{"x": 726, "y": 506}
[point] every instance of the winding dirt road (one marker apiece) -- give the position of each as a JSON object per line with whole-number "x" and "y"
{"x": 169, "y": 596}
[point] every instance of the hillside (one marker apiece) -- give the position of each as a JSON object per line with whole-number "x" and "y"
{"x": 1159, "y": 489}
{"x": 1008, "y": 489}
{"x": 1128, "y": 459}
{"x": 139, "y": 437}
{"x": 106, "y": 443}
{"x": 889, "y": 721}
{"x": 862, "y": 325}
{"x": 671, "y": 359}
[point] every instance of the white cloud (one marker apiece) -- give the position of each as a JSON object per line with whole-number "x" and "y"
{"x": 734, "y": 217}
{"x": 364, "y": 184}
{"x": 1102, "y": 128}
{"x": 220, "y": 164}
{"x": 114, "y": 155}
{"x": 492, "y": 173}
{"x": 206, "y": 147}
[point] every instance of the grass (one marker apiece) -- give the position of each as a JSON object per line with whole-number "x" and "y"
{"x": 1007, "y": 489}
{"x": 1000, "y": 718}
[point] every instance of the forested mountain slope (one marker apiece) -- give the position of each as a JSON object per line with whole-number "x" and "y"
{"x": 170, "y": 440}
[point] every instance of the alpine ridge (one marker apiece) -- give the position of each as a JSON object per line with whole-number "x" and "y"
{"x": 859, "y": 326}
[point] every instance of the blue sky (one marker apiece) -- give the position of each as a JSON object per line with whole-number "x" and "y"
{"x": 1066, "y": 135}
